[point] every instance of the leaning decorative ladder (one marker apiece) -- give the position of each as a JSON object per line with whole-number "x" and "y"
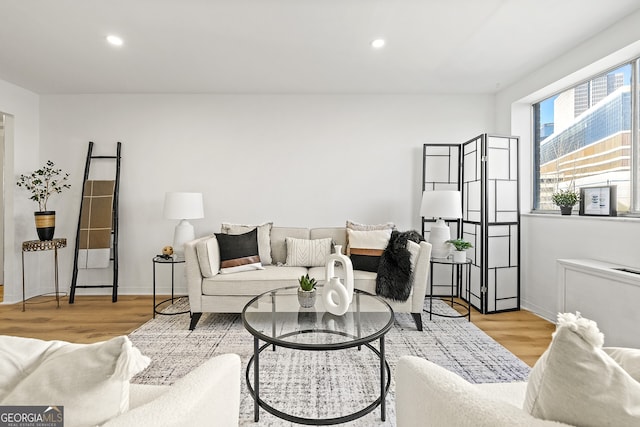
{"x": 97, "y": 232}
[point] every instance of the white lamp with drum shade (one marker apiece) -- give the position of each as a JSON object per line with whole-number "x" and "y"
{"x": 183, "y": 206}
{"x": 441, "y": 205}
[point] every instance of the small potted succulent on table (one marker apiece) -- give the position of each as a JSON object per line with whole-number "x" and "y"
{"x": 565, "y": 199}
{"x": 460, "y": 254}
{"x": 307, "y": 291}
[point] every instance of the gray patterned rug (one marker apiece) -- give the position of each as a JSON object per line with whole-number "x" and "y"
{"x": 321, "y": 384}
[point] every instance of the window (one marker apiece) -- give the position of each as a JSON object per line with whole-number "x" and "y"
{"x": 583, "y": 137}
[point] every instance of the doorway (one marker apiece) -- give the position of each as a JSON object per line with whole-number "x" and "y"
{"x": 2, "y": 137}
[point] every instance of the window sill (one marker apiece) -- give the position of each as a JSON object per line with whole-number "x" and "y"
{"x": 551, "y": 214}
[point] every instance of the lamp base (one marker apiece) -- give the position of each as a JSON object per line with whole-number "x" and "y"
{"x": 438, "y": 235}
{"x": 183, "y": 233}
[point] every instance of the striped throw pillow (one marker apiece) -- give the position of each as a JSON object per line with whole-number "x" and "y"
{"x": 366, "y": 247}
{"x": 239, "y": 252}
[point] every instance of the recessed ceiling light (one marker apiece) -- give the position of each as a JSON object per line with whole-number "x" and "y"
{"x": 377, "y": 43}
{"x": 114, "y": 40}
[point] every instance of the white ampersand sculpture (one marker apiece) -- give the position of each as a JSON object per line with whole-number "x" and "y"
{"x": 337, "y": 295}
{"x": 330, "y": 269}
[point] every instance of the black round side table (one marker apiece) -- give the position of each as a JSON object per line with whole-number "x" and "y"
{"x": 456, "y": 287}
{"x": 162, "y": 260}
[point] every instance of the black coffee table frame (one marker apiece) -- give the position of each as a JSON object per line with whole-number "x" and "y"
{"x": 279, "y": 341}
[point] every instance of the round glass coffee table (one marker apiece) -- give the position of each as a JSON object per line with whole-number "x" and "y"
{"x": 276, "y": 318}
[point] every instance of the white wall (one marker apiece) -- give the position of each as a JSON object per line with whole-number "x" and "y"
{"x": 547, "y": 238}
{"x": 314, "y": 160}
{"x": 21, "y": 153}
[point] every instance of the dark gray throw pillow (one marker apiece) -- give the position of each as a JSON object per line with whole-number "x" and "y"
{"x": 239, "y": 252}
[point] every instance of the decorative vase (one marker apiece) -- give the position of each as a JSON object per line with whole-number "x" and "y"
{"x": 339, "y": 257}
{"x": 307, "y": 299}
{"x": 459, "y": 256}
{"x": 566, "y": 210}
{"x": 335, "y": 297}
{"x": 45, "y": 224}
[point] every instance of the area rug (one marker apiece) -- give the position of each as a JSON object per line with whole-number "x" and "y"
{"x": 321, "y": 384}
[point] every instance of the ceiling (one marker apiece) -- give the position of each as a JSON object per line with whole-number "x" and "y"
{"x": 290, "y": 46}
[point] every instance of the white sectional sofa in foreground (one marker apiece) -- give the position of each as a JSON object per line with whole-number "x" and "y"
{"x": 428, "y": 395}
{"x": 576, "y": 382}
{"x": 90, "y": 384}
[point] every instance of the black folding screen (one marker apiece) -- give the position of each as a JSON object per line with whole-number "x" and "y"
{"x": 487, "y": 176}
{"x": 441, "y": 170}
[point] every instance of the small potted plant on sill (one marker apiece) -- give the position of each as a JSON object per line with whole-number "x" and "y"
{"x": 460, "y": 254}
{"x": 42, "y": 183}
{"x": 307, "y": 291}
{"x": 565, "y": 199}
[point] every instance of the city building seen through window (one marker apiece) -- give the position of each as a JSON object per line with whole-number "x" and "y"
{"x": 583, "y": 138}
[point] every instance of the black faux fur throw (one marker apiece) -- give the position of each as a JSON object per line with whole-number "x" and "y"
{"x": 394, "y": 271}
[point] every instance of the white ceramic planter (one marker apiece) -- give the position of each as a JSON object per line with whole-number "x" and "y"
{"x": 307, "y": 299}
{"x": 459, "y": 256}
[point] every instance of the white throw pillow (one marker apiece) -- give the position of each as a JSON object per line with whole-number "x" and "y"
{"x": 366, "y": 247}
{"x": 264, "y": 237}
{"x": 307, "y": 252}
{"x": 366, "y": 227}
{"x": 627, "y": 358}
{"x": 91, "y": 381}
{"x": 576, "y": 382}
{"x": 208, "y": 253}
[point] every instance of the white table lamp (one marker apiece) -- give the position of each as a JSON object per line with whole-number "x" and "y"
{"x": 441, "y": 205}
{"x": 183, "y": 206}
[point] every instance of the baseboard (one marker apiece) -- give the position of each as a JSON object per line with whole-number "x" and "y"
{"x": 539, "y": 311}
{"x": 137, "y": 290}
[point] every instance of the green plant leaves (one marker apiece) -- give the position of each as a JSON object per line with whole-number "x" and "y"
{"x": 565, "y": 198}
{"x": 459, "y": 244}
{"x": 306, "y": 283}
{"x": 44, "y": 182}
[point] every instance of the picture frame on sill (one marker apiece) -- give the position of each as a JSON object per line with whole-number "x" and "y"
{"x": 598, "y": 201}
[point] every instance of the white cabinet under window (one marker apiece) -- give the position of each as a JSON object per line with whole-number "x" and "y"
{"x": 604, "y": 292}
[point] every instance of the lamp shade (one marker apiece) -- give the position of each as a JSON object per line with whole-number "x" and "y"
{"x": 441, "y": 204}
{"x": 183, "y": 206}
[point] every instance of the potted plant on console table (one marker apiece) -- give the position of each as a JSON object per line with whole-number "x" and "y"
{"x": 42, "y": 183}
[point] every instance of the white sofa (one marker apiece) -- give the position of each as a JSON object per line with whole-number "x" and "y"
{"x": 229, "y": 293}
{"x": 429, "y": 395}
{"x": 90, "y": 384}
{"x": 209, "y": 395}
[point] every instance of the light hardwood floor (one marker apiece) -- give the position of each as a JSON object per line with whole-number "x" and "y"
{"x": 96, "y": 318}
